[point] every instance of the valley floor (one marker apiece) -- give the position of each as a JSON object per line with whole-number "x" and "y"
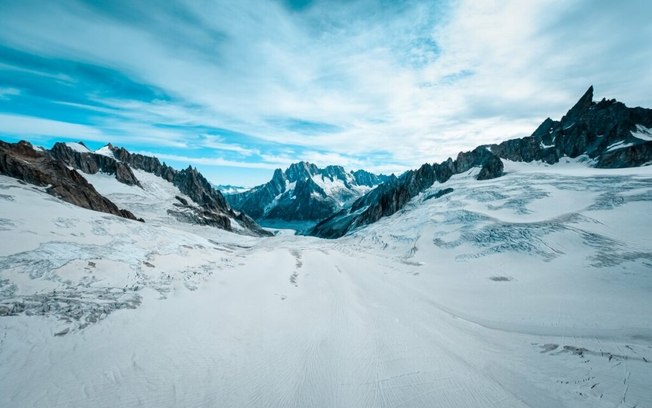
{"x": 532, "y": 290}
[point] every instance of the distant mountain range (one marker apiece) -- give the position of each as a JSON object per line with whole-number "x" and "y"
{"x": 330, "y": 201}
{"x": 304, "y": 192}
{"x": 230, "y": 189}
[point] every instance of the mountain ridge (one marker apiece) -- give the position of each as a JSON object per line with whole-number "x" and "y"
{"x": 605, "y": 131}
{"x": 304, "y": 192}
{"x": 58, "y": 167}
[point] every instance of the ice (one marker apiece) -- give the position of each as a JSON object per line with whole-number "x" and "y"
{"x": 530, "y": 290}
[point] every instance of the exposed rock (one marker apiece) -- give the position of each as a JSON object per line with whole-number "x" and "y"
{"x": 193, "y": 184}
{"x": 255, "y": 201}
{"x": 213, "y": 209}
{"x": 51, "y": 168}
{"x": 307, "y": 201}
{"x": 597, "y": 130}
{"x": 364, "y": 178}
{"x": 189, "y": 181}
{"x": 439, "y": 193}
{"x": 297, "y": 193}
{"x": 22, "y": 161}
{"x": 637, "y": 155}
{"x": 393, "y": 194}
{"x": 491, "y": 168}
{"x": 92, "y": 163}
{"x": 604, "y": 131}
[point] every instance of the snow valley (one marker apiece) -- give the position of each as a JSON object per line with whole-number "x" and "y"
{"x": 516, "y": 275}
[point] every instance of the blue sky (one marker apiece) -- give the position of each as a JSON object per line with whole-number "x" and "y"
{"x": 239, "y": 88}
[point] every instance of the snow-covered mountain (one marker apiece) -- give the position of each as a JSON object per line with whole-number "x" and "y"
{"x": 607, "y": 134}
{"x": 113, "y": 176}
{"x": 230, "y": 189}
{"x": 304, "y": 192}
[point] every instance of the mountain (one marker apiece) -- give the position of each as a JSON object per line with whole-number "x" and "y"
{"x": 607, "y": 133}
{"x": 230, "y": 189}
{"x": 74, "y": 173}
{"x": 304, "y": 192}
{"x": 35, "y": 166}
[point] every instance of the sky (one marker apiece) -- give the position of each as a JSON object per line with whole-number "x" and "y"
{"x": 239, "y": 88}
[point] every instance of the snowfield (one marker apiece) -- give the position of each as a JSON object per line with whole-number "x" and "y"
{"x": 530, "y": 290}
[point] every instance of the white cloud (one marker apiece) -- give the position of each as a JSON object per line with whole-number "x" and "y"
{"x": 418, "y": 81}
{"x": 24, "y": 126}
{"x": 6, "y": 93}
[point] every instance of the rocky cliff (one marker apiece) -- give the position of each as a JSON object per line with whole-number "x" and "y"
{"x": 208, "y": 208}
{"x": 23, "y": 162}
{"x": 393, "y": 194}
{"x": 608, "y": 133}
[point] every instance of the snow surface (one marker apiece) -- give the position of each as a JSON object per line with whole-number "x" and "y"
{"x": 151, "y": 202}
{"x": 105, "y": 151}
{"x": 533, "y": 289}
{"x": 78, "y": 147}
{"x": 619, "y": 145}
{"x": 336, "y": 189}
{"x": 643, "y": 133}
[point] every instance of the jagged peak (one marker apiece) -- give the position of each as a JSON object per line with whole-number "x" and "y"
{"x": 300, "y": 170}
{"x": 582, "y": 105}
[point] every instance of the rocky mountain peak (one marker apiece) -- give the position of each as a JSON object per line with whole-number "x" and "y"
{"x": 301, "y": 170}
{"x": 609, "y": 133}
{"x": 39, "y": 167}
{"x": 211, "y": 207}
{"x": 279, "y": 179}
{"x": 303, "y": 192}
{"x": 582, "y": 105}
{"x": 91, "y": 163}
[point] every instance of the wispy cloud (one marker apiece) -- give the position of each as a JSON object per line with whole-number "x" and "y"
{"x": 263, "y": 83}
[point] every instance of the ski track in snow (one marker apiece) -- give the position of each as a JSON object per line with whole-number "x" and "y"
{"x": 531, "y": 290}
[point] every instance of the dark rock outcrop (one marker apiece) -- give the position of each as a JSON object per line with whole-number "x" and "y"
{"x": 439, "y": 193}
{"x": 491, "y": 168}
{"x": 364, "y": 178}
{"x": 255, "y": 201}
{"x": 23, "y": 162}
{"x": 92, "y": 163}
{"x": 602, "y": 131}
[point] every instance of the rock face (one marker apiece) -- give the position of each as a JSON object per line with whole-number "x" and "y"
{"x": 304, "y": 192}
{"x": 92, "y": 163}
{"x": 392, "y": 195}
{"x": 211, "y": 208}
{"x": 609, "y": 133}
{"x": 189, "y": 181}
{"x": 22, "y": 161}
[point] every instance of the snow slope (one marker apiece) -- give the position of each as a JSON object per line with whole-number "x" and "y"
{"x": 528, "y": 290}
